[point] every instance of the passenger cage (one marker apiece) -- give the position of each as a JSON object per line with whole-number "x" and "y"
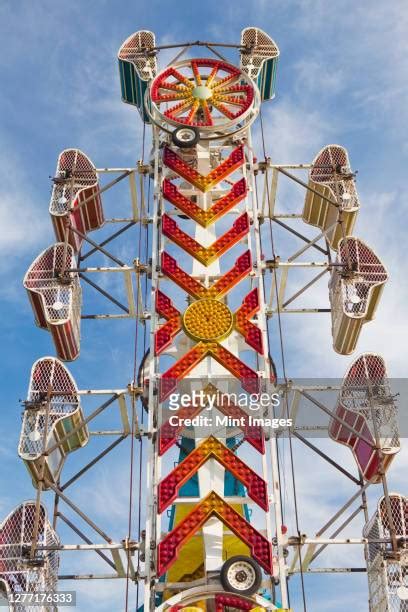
{"x": 55, "y": 296}
{"x": 137, "y": 67}
{"x": 366, "y": 403}
{"x": 19, "y": 573}
{"x": 75, "y": 199}
{"x": 331, "y": 179}
{"x": 387, "y": 571}
{"x": 259, "y": 60}
{"x": 355, "y": 288}
{"x": 53, "y": 400}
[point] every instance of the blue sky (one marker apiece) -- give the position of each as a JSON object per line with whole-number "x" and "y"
{"x": 342, "y": 78}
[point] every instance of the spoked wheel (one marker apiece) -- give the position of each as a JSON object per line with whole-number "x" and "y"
{"x": 241, "y": 575}
{"x": 206, "y": 94}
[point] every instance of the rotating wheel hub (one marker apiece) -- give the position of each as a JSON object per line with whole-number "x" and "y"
{"x": 201, "y": 92}
{"x": 208, "y": 94}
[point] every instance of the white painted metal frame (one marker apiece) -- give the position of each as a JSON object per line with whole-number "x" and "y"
{"x": 269, "y": 460}
{"x": 118, "y": 559}
{"x": 130, "y": 271}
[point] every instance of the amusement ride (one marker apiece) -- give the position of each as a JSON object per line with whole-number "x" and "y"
{"x": 207, "y": 289}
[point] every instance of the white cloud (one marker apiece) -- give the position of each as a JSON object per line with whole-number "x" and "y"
{"x": 312, "y": 75}
{"x": 292, "y": 134}
{"x": 23, "y": 225}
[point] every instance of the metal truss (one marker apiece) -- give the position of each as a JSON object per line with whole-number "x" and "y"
{"x": 279, "y": 299}
{"x": 307, "y": 548}
{"x": 131, "y": 272}
{"x": 313, "y": 546}
{"x": 117, "y": 555}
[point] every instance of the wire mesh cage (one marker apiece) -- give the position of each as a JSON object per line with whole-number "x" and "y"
{"x": 55, "y": 295}
{"x": 331, "y": 178}
{"x": 52, "y": 411}
{"x": 366, "y": 403}
{"x": 75, "y": 199}
{"x": 137, "y": 67}
{"x": 355, "y": 288}
{"x": 387, "y": 571}
{"x": 19, "y": 571}
{"x": 259, "y": 60}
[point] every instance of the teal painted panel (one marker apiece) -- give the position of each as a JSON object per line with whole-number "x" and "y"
{"x": 267, "y": 78}
{"x": 133, "y": 88}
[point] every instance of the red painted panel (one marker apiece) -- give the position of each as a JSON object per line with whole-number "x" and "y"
{"x": 213, "y": 505}
{"x": 211, "y": 448}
